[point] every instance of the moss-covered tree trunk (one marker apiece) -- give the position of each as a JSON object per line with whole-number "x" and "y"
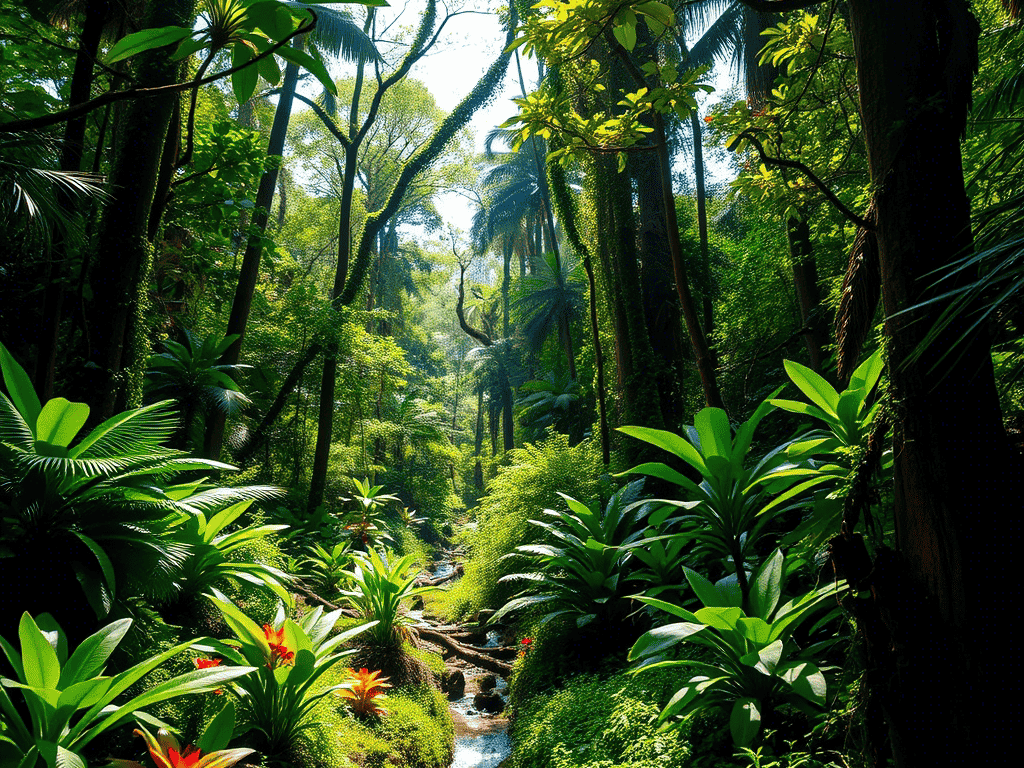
{"x": 123, "y": 254}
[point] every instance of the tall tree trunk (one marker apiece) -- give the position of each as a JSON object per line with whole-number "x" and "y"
{"x": 72, "y": 150}
{"x": 661, "y": 302}
{"x": 944, "y": 684}
{"x": 123, "y": 252}
{"x": 250, "y": 270}
{"x": 616, "y": 240}
{"x": 701, "y": 351}
{"x": 702, "y": 219}
{"x": 808, "y": 296}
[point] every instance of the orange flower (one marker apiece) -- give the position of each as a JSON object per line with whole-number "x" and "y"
{"x": 279, "y": 653}
{"x": 709, "y": 118}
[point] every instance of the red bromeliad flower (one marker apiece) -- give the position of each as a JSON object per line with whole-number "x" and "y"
{"x": 202, "y": 663}
{"x": 279, "y": 653}
{"x": 527, "y": 641}
{"x": 167, "y": 753}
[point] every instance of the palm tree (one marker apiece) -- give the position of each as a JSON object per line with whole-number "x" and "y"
{"x": 189, "y": 374}
{"x": 735, "y": 36}
{"x": 552, "y": 299}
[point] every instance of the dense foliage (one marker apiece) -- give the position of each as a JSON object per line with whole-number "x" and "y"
{"x": 716, "y": 404}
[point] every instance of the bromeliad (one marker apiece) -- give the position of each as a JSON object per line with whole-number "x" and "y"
{"x": 167, "y": 752}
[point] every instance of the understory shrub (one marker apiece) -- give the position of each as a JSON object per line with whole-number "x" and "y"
{"x": 536, "y": 473}
{"x": 417, "y": 732}
{"x": 596, "y": 722}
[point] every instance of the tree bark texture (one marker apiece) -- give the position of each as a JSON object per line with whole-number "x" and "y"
{"x": 122, "y": 251}
{"x": 950, "y": 659}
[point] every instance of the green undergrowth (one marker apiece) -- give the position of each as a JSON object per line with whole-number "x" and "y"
{"x": 416, "y": 732}
{"x": 520, "y": 491}
{"x": 568, "y": 712}
{"x": 596, "y": 721}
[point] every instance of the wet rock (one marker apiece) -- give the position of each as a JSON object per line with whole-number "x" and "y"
{"x": 487, "y": 683}
{"x": 489, "y": 702}
{"x": 453, "y": 684}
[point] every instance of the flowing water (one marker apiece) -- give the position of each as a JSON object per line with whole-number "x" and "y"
{"x": 481, "y": 740}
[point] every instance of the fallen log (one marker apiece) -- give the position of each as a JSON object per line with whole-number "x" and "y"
{"x": 428, "y": 582}
{"x": 473, "y": 656}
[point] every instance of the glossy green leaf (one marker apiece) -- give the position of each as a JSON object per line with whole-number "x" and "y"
{"x": 745, "y": 721}
{"x": 670, "y": 442}
{"x": 806, "y": 680}
{"x": 817, "y": 390}
{"x": 92, "y": 653}
{"x": 661, "y": 639}
{"x": 218, "y": 733}
{"x": 243, "y": 82}
{"x": 19, "y": 387}
{"x": 38, "y": 657}
{"x": 307, "y": 62}
{"x": 146, "y": 40}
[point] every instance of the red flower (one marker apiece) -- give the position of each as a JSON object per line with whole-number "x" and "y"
{"x": 167, "y": 753}
{"x": 709, "y": 118}
{"x": 279, "y": 653}
{"x": 206, "y": 664}
{"x": 526, "y": 641}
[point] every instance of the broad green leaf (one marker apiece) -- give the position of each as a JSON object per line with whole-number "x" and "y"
{"x": 269, "y": 71}
{"x": 805, "y": 679}
{"x": 625, "y": 34}
{"x": 745, "y": 721}
{"x": 817, "y": 390}
{"x": 868, "y": 373}
{"x": 669, "y": 608}
{"x": 767, "y": 586}
{"x": 719, "y": 618}
{"x": 186, "y": 49}
{"x": 19, "y": 386}
{"x": 710, "y": 594}
{"x": 715, "y": 434}
{"x": 218, "y": 733}
{"x": 273, "y": 18}
{"x": 670, "y": 442}
{"x": 310, "y": 64}
{"x": 146, "y": 40}
{"x": 243, "y": 82}
{"x": 801, "y": 408}
{"x": 83, "y": 694}
{"x": 662, "y": 638}
{"x": 42, "y": 670}
{"x": 755, "y": 630}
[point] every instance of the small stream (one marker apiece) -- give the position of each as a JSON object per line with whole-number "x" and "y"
{"x": 481, "y": 739}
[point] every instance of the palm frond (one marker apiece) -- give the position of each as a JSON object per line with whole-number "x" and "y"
{"x": 13, "y": 427}
{"x": 337, "y": 34}
{"x": 137, "y": 432}
{"x": 212, "y": 500}
{"x": 720, "y": 40}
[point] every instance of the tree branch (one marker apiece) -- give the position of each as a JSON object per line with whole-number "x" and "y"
{"x": 45, "y": 121}
{"x": 798, "y": 166}
{"x": 480, "y": 336}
